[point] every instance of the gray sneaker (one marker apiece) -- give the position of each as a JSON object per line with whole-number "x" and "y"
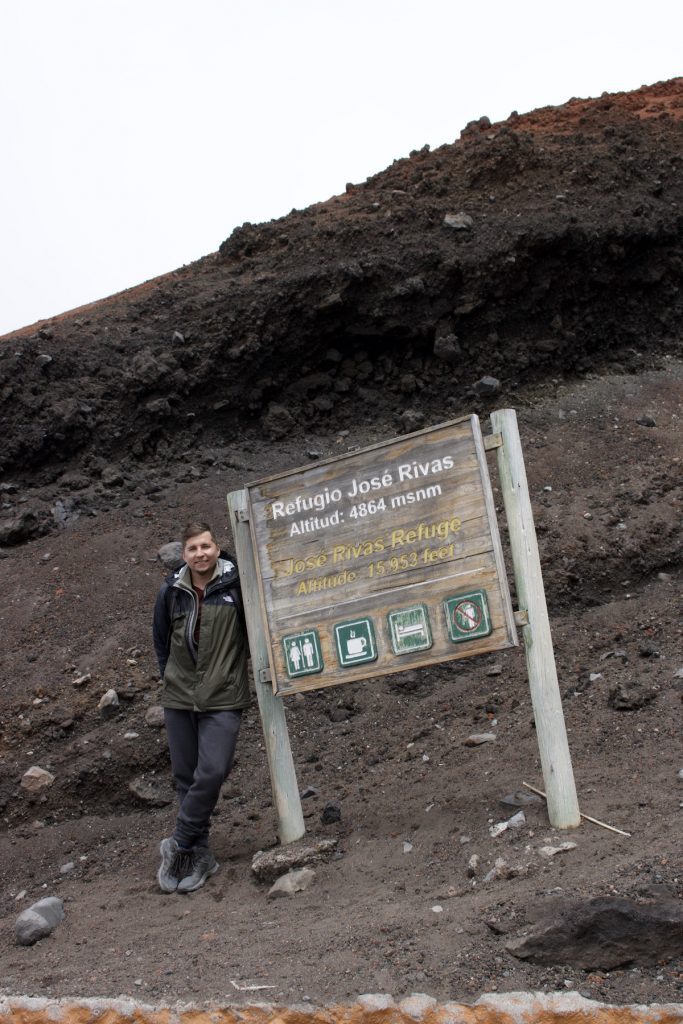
{"x": 175, "y": 864}
{"x": 203, "y": 864}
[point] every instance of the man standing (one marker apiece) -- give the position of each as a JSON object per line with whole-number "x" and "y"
{"x": 201, "y": 645}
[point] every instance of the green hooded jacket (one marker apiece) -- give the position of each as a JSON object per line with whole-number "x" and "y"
{"x": 210, "y": 675}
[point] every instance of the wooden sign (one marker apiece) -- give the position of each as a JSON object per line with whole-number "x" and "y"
{"x": 380, "y": 561}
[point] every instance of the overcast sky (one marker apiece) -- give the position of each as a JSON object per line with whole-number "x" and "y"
{"x": 136, "y": 134}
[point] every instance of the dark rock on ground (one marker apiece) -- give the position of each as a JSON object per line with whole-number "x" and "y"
{"x": 605, "y": 933}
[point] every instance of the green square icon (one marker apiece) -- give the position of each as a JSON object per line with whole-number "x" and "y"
{"x": 303, "y": 654}
{"x": 355, "y": 642}
{"x": 467, "y": 616}
{"x": 409, "y": 629}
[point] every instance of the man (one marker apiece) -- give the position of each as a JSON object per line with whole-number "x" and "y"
{"x": 201, "y": 645}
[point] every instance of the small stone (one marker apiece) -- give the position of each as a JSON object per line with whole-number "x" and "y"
{"x": 473, "y": 865}
{"x": 112, "y": 476}
{"x": 458, "y": 221}
{"x": 437, "y": 909}
{"x": 108, "y": 704}
{"x": 292, "y": 882}
{"x": 646, "y": 421}
{"x": 66, "y": 868}
{"x": 679, "y": 775}
{"x": 21, "y": 528}
{"x": 630, "y": 696}
{"x": 81, "y": 680}
{"x": 500, "y": 869}
{"x": 178, "y": 337}
{"x": 552, "y": 851}
{"x": 331, "y": 813}
{"x": 478, "y": 738}
{"x": 154, "y": 717}
{"x": 407, "y": 847}
{"x": 36, "y": 779}
{"x": 487, "y": 386}
{"x": 519, "y": 798}
{"x": 309, "y": 792}
{"x": 131, "y": 735}
{"x": 412, "y": 419}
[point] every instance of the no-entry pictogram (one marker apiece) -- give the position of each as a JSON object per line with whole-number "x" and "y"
{"x": 467, "y": 616}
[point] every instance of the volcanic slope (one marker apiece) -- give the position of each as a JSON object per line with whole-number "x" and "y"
{"x": 544, "y": 252}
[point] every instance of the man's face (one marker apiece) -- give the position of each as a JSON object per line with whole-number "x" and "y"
{"x": 201, "y": 554}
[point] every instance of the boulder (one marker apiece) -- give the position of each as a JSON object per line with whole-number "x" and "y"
{"x": 171, "y": 555}
{"x": 38, "y": 921}
{"x": 605, "y": 933}
{"x": 268, "y": 865}
{"x": 37, "y": 779}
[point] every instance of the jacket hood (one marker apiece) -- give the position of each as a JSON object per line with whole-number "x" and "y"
{"x": 227, "y": 571}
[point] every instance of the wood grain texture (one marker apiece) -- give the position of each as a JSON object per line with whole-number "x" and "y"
{"x": 361, "y": 536}
{"x": 563, "y": 806}
{"x": 280, "y": 761}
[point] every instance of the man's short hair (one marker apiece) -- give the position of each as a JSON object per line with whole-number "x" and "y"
{"x": 194, "y": 529}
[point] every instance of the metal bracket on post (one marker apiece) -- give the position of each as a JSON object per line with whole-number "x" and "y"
{"x": 280, "y": 761}
{"x": 558, "y": 775}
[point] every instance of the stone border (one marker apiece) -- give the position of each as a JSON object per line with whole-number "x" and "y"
{"x": 505, "y": 1008}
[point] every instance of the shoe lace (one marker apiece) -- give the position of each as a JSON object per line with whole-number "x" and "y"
{"x": 182, "y": 864}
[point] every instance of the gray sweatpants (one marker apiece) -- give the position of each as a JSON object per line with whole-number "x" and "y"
{"x": 202, "y": 746}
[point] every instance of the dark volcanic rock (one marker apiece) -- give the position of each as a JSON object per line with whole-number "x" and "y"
{"x": 605, "y": 933}
{"x": 563, "y": 256}
{"x": 20, "y": 529}
{"x": 629, "y": 696}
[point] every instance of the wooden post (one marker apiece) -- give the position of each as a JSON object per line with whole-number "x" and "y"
{"x": 563, "y": 806}
{"x": 280, "y": 761}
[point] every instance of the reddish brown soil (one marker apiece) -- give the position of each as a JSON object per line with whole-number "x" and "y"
{"x": 568, "y": 289}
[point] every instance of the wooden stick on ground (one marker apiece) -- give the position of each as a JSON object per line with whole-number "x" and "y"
{"x": 594, "y": 821}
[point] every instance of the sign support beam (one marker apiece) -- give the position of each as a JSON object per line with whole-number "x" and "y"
{"x": 563, "y": 806}
{"x": 280, "y": 762}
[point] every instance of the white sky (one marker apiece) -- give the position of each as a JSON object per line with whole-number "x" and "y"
{"x": 136, "y": 134}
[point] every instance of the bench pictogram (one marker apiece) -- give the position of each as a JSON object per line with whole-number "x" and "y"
{"x": 409, "y": 629}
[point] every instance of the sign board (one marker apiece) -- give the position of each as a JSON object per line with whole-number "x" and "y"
{"x": 382, "y": 560}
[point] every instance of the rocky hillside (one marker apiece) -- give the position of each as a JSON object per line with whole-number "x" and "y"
{"x": 534, "y": 264}
{"x": 545, "y": 245}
